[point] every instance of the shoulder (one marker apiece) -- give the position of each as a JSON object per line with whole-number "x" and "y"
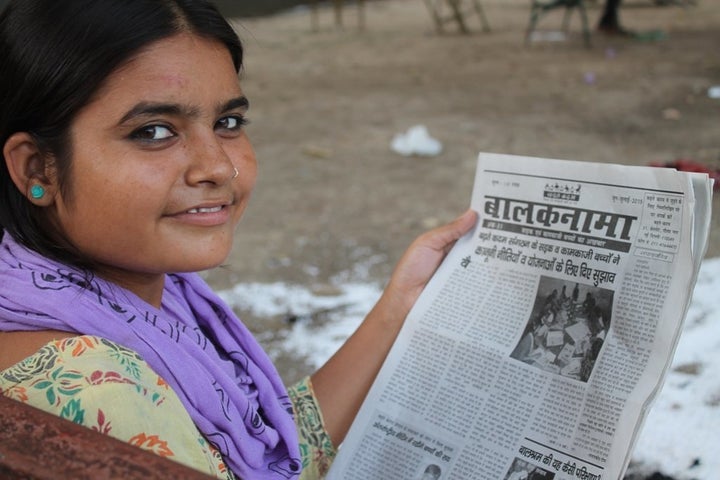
{"x": 65, "y": 376}
{"x": 84, "y": 356}
{"x": 106, "y": 387}
{"x": 16, "y": 346}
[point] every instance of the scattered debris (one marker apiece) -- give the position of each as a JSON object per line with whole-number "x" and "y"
{"x": 650, "y": 36}
{"x": 671, "y": 114}
{"x": 316, "y": 151}
{"x": 548, "y": 36}
{"x": 689, "y": 368}
{"x": 416, "y": 141}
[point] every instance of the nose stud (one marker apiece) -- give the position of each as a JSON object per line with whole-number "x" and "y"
{"x": 235, "y": 173}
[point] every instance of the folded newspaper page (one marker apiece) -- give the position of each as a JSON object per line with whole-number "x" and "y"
{"x": 538, "y": 346}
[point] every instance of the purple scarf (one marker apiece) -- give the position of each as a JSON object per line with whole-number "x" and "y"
{"x": 194, "y": 341}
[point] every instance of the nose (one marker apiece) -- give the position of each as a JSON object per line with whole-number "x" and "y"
{"x": 208, "y": 160}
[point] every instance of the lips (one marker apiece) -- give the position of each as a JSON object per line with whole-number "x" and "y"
{"x": 207, "y": 214}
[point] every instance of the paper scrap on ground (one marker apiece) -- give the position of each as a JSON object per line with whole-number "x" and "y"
{"x": 416, "y": 141}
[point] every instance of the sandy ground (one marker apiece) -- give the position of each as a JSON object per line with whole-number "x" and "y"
{"x": 326, "y": 104}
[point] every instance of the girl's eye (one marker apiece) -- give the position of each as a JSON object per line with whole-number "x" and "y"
{"x": 153, "y": 133}
{"x": 231, "y": 123}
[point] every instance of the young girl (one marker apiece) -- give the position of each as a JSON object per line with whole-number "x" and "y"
{"x": 125, "y": 167}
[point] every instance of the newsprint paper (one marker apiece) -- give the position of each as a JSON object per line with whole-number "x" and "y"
{"x": 538, "y": 346}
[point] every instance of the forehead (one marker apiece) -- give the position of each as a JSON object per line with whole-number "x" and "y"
{"x": 183, "y": 64}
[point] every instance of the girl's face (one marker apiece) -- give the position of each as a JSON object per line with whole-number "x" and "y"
{"x": 151, "y": 187}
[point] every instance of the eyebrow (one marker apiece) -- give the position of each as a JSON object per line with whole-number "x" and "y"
{"x": 236, "y": 103}
{"x": 147, "y": 109}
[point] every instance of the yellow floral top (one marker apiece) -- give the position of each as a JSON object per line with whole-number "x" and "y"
{"x": 106, "y": 387}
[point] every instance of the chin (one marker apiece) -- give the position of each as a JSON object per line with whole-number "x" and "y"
{"x": 200, "y": 265}
{"x": 197, "y": 256}
{"x": 189, "y": 263}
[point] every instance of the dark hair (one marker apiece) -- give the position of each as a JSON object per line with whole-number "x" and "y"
{"x": 54, "y": 57}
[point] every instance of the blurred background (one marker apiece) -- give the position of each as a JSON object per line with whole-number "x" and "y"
{"x": 334, "y": 202}
{"x": 242, "y": 8}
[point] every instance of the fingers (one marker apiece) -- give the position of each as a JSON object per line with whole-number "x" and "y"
{"x": 461, "y": 225}
{"x": 442, "y": 238}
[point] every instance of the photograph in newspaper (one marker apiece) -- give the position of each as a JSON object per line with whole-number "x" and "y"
{"x": 538, "y": 346}
{"x": 566, "y": 329}
{"x": 523, "y": 470}
{"x": 431, "y": 472}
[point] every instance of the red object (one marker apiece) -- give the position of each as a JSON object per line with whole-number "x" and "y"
{"x": 685, "y": 165}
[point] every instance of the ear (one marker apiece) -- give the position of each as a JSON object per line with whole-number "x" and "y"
{"x": 29, "y": 169}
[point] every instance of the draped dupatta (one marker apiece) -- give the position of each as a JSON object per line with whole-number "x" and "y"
{"x": 194, "y": 341}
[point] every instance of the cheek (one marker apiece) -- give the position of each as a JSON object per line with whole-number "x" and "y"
{"x": 116, "y": 187}
{"x": 250, "y": 174}
{"x": 247, "y": 170}
{"x": 103, "y": 202}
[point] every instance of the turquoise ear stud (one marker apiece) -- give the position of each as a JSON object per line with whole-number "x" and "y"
{"x": 37, "y": 192}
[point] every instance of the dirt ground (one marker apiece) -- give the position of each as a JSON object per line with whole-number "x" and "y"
{"x": 326, "y": 104}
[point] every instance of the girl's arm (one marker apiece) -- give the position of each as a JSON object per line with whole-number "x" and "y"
{"x": 342, "y": 383}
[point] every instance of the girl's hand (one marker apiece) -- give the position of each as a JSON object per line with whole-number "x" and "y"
{"x": 417, "y": 266}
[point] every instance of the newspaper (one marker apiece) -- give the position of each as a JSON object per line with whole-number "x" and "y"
{"x": 538, "y": 346}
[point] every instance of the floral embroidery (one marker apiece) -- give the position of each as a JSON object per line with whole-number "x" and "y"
{"x": 98, "y": 378}
{"x": 102, "y": 426}
{"x": 127, "y": 358}
{"x": 59, "y": 383}
{"x": 316, "y": 446}
{"x": 29, "y": 368}
{"x": 217, "y": 459}
{"x": 73, "y": 411}
{"x": 16, "y": 393}
{"x": 162, "y": 383}
{"x": 152, "y": 443}
{"x": 81, "y": 345}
